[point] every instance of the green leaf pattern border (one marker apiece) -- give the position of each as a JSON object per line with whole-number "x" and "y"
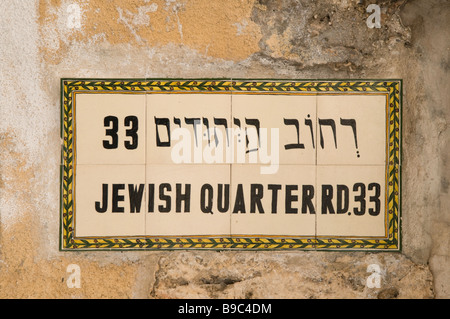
{"x": 392, "y": 88}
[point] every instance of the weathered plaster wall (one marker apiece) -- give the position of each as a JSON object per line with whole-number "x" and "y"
{"x": 40, "y": 42}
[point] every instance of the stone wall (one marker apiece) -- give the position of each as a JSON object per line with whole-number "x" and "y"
{"x": 43, "y": 41}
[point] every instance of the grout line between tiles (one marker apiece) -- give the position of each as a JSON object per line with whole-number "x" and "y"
{"x": 145, "y": 167}
{"x": 315, "y": 168}
{"x": 230, "y": 165}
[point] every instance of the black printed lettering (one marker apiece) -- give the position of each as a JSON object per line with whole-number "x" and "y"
{"x": 104, "y": 207}
{"x": 342, "y": 199}
{"x": 274, "y": 188}
{"x": 164, "y": 197}
{"x": 290, "y": 198}
{"x": 116, "y": 198}
{"x": 307, "y": 197}
{"x": 327, "y": 196}
{"x": 183, "y": 197}
{"x": 256, "y": 194}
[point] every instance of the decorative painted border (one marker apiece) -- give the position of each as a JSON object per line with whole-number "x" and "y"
{"x": 392, "y": 88}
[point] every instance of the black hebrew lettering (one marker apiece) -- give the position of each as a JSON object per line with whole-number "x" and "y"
{"x": 293, "y": 145}
{"x": 131, "y": 121}
{"x": 332, "y": 124}
{"x": 224, "y": 122}
{"x": 255, "y": 123}
{"x": 194, "y": 122}
{"x": 166, "y": 122}
{"x": 206, "y": 123}
{"x": 310, "y": 124}
{"x": 352, "y": 124}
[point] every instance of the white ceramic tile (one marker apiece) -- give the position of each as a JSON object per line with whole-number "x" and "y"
{"x": 187, "y": 128}
{"x": 351, "y": 129}
{"x": 273, "y": 204}
{"x": 291, "y": 117}
{"x": 110, "y": 128}
{"x": 196, "y": 189}
{"x": 102, "y": 200}
{"x": 351, "y": 201}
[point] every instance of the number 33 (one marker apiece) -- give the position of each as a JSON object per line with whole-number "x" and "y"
{"x": 112, "y": 125}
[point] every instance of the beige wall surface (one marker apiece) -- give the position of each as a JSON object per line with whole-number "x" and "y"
{"x": 44, "y": 41}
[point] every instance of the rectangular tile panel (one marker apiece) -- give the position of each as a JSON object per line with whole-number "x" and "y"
{"x": 230, "y": 164}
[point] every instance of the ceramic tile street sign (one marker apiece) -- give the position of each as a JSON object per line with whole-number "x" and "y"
{"x": 230, "y": 164}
